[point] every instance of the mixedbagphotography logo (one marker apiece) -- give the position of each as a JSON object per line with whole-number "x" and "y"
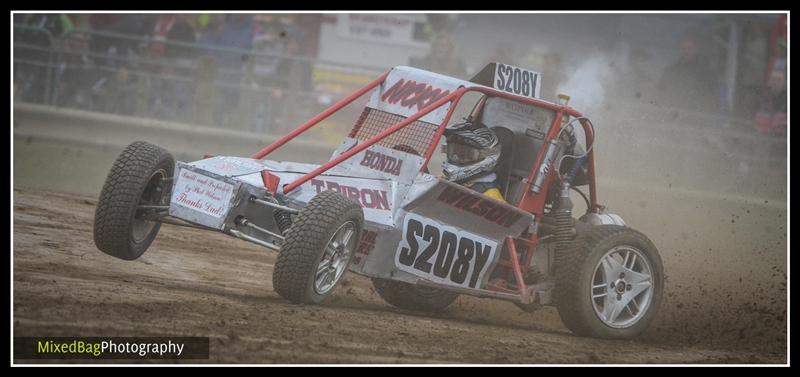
{"x": 111, "y": 348}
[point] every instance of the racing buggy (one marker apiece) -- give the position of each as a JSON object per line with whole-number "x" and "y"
{"x": 374, "y": 209}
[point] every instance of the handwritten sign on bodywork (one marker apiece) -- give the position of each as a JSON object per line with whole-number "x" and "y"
{"x": 203, "y": 194}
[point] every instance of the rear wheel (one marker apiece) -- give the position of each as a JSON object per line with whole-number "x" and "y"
{"x": 610, "y": 284}
{"x": 413, "y": 297}
{"x": 318, "y": 248}
{"x": 139, "y": 177}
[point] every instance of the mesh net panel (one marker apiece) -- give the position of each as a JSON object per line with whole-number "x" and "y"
{"x": 415, "y": 138}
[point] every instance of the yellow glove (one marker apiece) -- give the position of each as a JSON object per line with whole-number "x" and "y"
{"x": 495, "y": 194}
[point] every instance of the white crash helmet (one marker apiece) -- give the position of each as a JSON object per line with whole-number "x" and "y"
{"x": 472, "y": 152}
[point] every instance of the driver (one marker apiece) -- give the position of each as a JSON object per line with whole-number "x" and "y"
{"x": 472, "y": 154}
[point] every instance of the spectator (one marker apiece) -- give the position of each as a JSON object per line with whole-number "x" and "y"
{"x": 57, "y": 24}
{"x": 75, "y": 79}
{"x": 201, "y": 22}
{"x": 771, "y": 114}
{"x": 690, "y": 83}
{"x": 134, "y": 25}
{"x": 113, "y": 88}
{"x": 37, "y": 33}
{"x": 102, "y": 23}
{"x": 771, "y": 121}
{"x": 172, "y": 91}
{"x": 235, "y": 32}
{"x": 171, "y": 28}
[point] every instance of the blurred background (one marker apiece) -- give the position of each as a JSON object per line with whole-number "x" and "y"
{"x": 698, "y": 98}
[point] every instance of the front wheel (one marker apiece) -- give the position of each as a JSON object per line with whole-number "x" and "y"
{"x": 318, "y": 248}
{"x": 609, "y": 284}
{"x": 139, "y": 177}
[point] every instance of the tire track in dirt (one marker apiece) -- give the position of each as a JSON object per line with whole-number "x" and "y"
{"x": 196, "y": 283}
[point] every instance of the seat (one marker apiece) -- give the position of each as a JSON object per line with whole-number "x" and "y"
{"x": 503, "y": 169}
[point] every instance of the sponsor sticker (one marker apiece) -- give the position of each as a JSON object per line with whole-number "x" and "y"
{"x": 408, "y": 90}
{"x": 442, "y": 253}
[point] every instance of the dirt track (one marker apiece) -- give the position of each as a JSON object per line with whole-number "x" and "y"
{"x": 195, "y": 283}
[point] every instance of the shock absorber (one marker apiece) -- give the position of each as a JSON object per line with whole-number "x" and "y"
{"x": 564, "y": 226}
{"x": 280, "y": 213}
{"x": 283, "y": 219}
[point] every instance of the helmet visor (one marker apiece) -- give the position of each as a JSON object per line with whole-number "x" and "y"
{"x": 460, "y": 154}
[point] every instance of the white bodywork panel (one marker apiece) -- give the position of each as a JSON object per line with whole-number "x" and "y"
{"x": 462, "y": 221}
{"x": 407, "y": 90}
{"x": 377, "y": 195}
{"x": 417, "y": 227}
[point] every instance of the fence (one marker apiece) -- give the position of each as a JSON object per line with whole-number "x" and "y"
{"x": 265, "y": 90}
{"x": 188, "y": 82}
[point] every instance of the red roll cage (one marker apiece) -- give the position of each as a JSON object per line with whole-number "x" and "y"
{"x": 531, "y": 202}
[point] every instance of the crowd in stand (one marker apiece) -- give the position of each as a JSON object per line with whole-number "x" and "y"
{"x": 201, "y": 67}
{"x": 184, "y": 67}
